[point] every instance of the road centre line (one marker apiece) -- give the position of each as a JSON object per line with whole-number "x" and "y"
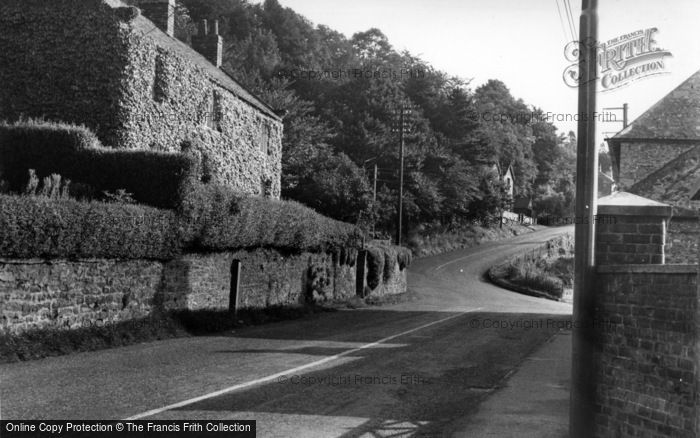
{"x": 272, "y": 377}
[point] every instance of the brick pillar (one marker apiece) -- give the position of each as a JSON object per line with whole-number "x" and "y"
{"x": 161, "y": 13}
{"x": 208, "y": 42}
{"x": 631, "y": 230}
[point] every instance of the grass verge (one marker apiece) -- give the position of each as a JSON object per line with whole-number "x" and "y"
{"x": 429, "y": 243}
{"x": 540, "y": 274}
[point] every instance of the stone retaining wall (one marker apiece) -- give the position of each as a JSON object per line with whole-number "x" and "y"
{"x": 70, "y": 294}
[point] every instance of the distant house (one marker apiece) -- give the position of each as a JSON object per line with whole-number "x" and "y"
{"x": 119, "y": 71}
{"x": 658, "y": 157}
{"x": 509, "y": 181}
{"x": 507, "y": 177}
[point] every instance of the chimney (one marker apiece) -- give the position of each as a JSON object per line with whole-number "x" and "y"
{"x": 161, "y": 13}
{"x": 208, "y": 42}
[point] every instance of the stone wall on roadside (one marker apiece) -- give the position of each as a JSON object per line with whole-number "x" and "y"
{"x": 67, "y": 294}
{"x": 268, "y": 278}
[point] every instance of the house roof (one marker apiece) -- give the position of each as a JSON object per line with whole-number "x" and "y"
{"x": 511, "y": 171}
{"x": 216, "y": 74}
{"x": 676, "y": 116}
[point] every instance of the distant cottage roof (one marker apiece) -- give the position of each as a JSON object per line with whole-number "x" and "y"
{"x": 676, "y": 116}
{"x": 217, "y": 75}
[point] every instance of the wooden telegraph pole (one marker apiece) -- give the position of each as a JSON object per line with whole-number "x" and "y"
{"x": 403, "y": 128}
{"x": 582, "y": 375}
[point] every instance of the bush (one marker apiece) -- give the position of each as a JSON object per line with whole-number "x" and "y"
{"x": 153, "y": 178}
{"x": 534, "y": 274}
{"x": 202, "y": 205}
{"x": 390, "y": 261}
{"x": 216, "y": 218}
{"x": 404, "y": 257}
{"x": 38, "y": 227}
{"x": 375, "y": 266}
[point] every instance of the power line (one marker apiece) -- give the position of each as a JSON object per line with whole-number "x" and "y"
{"x": 561, "y": 21}
{"x": 572, "y": 22}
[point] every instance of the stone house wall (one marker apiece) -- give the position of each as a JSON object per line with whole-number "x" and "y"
{"x": 84, "y": 62}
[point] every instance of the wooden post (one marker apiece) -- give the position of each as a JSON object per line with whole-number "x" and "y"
{"x": 234, "y": 297}
{"x": 583, "y": 348}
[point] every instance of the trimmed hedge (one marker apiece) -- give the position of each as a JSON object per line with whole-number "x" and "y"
{"x": 381, "y": 261}
{"x": 210, "y": 218}
{"x": 375, "y": 266}
{"x": 240, "y": 223}
{"x": 151, "y": 177}
{"x": 33, "y": 227}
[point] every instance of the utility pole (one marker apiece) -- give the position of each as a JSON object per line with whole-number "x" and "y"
{"x": 583, "y": 348}
{"x": 403, "y": 128}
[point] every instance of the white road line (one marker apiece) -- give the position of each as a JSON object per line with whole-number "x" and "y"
{"x": 290, "y": 371}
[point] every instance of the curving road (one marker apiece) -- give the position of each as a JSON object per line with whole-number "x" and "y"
{"x": 418, "y": 368}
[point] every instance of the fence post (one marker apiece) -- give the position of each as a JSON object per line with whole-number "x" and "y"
{"x": 360, "y": 273}
{"x": 234, "y": 295}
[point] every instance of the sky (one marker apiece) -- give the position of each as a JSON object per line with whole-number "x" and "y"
{"x": 522, "y": 42}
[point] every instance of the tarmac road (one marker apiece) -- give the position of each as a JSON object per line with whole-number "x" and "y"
{"x": 418, "y": 368}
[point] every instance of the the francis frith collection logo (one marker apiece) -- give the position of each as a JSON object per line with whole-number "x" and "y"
{"x": 622, "y": 60}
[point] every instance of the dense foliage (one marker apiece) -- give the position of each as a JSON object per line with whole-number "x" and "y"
{"x": 32, "y": 227}
{"x": 340, "y": 94}
{"x": 77, "y": 155}
{"x": 210, "y": 218}
{"x": 216, "y": 219}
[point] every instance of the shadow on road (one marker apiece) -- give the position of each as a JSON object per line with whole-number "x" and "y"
{"x": 413, "y": 385}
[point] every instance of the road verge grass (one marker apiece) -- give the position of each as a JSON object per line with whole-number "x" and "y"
{"x": 545, "y": 272}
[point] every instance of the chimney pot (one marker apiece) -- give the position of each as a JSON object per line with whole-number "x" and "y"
{"x": 209, "y": 44}
{"x": 203, "y": 28}
{"x": 161, "y": 13}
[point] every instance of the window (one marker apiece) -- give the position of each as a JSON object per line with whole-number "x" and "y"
{"x": 160, "y": 80}
{"x": 212, "y": 117}
{"x": 265, "y": 138}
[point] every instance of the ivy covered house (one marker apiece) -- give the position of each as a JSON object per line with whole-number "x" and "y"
{"x": 119, "y": 70}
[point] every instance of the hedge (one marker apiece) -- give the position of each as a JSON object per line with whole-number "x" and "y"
{"x": 210, "y": 218}
{"x": 242, "y": 223}
{"x": 381, "y": 261}
{"x": 32, "y": 227}
{"x": 151, "y": 177}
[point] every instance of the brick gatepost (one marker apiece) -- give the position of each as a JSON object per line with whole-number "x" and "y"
{"x": 631, "y": 230}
